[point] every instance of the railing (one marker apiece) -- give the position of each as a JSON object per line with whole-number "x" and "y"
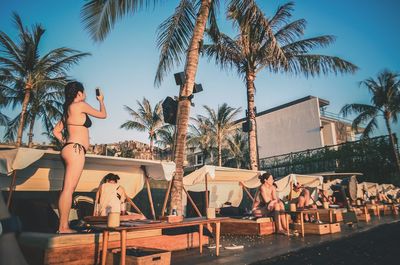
{"x": 342, "y": 157}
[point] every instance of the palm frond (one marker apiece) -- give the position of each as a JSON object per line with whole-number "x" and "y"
{"x": 99, "y": 16}
{"x": 129, "y": 125}
{"x": 173, "y": 38}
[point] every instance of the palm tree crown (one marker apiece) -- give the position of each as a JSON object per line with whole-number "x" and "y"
{"x": 221, "y": 124}
{"x": 385, "y": 102}
{"x": 274, "y": 44}
{"x": 24, "y": 71}
{"x": 145, "y": 119}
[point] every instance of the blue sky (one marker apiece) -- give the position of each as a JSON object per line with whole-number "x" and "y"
{"x": 124, "y": 64}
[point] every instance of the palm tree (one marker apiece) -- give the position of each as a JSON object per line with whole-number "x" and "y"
{"x": 45, "y": 104}
{"x": 238, "y": 148}
{"x": 221, "y": 123}
{"x": 200, "y": 136}
{"x": 274, "y": 44}
{"x": 385, "y": 101}
{"x": 145, "y": 119}
{"x": 25, "y": 70}
{"x": 184, "y": 34}
{"x": 166, "y": 138}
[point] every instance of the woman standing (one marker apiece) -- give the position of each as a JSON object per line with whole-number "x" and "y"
{"x": 73, "y": 132}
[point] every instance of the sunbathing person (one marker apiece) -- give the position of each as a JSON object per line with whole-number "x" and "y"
{"x": 304, "y": 200}
{"x": 267, "y": 203}
{"x": 111, "y": 197}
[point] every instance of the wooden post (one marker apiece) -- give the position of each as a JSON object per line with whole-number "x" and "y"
{"x": 166, "y": 198}
{"x": 217, "y": 236}
{"x": 201, "y": 238}
{"x": 247, "y": 191}
{"x": 153, "y": 213}
{"x": 206, "y": 183}
{"x": 105, "y": 247}
{"x": 123, "y": 247}
{"x": 192, "y": 202}
{"x": 133, "y": 205}
{"x": 11, "y": 189}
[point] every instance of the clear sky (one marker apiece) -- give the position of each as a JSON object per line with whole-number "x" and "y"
{"x": 124, "y": 65}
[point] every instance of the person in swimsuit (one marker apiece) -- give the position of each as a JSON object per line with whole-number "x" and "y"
{"x": 73, "y": 132}
{"x": 267, "y": 203}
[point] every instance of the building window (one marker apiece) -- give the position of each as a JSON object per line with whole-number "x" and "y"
{"x": 199, "y": 159}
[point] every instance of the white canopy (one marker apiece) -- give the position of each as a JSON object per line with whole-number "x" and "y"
{"x": 385, "y": 188}
{"x": 285, "y": 184}
{"x": 371, "y": 187}
{"x": 223, "y": 183}
{"x": 40, "y": 170}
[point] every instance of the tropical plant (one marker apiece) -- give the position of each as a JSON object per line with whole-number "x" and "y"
{"x": 145, "y": 119}
{"x": 385, "y": 101}
{"x": 274, "y": 44}
{"x": 3, "y": 118}
{"x": 45, "y": 104}
{"x": 237, "y": 144}
{"x": 221, "y": 123}
{"x": 183, "y": 37}
{"x": 166, "y": 138}
{"x": 200, "y": 136}
{"x": 23, "y": 68}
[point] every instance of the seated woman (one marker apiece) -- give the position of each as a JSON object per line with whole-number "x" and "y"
{"x": 111, "y": 197}
{"x": 267, "y": 203}
{"x": 303, "y": 201}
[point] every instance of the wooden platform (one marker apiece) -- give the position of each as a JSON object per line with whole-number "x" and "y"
{"x": 318, "y": 229}
{"x": 261, "y": 226}
{"x": 40, "y": 248}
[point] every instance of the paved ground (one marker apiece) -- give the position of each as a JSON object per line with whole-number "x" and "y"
{"x": 275, "y": 249}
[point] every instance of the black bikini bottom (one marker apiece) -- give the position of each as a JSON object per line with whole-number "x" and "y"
{"x": 78, "y": 147}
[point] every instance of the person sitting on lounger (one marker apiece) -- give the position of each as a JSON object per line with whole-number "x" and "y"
{"x": 111, "y": 197}
{"x": 303, "y": 199}
{"x": 267, "y": 203}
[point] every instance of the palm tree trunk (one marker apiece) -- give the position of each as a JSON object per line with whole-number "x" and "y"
{"x": 391, "y": 137}
{"x": 21, "y": 126}
{"x": 192, "y": 61}
{"x": 32, "y": 124}
{"x": 251, "y": 119}
{"x": 219, "y": 151}
{"x": 151, "y": 147}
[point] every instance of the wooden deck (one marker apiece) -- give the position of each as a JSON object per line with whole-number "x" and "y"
{"x": 41, "y": 248}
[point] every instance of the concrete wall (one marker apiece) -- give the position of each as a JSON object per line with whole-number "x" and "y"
{"x": 291, "y": 129}
{"x": 329, "y": 133}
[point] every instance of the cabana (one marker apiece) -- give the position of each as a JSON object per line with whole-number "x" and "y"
{"x": 33, "y": 171}
{"x": 26, "y": 169}
{"x": 223, "y": 185}
{"x": 285, "y": 185}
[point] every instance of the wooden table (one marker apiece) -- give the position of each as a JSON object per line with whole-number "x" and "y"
{"x": 200, "y": 222}
{"x": 306, "y": 211}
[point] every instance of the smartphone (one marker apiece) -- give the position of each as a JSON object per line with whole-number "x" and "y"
{"x": 97, "y": 92}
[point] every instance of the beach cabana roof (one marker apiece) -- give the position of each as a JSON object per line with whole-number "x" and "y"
{"x": 224, "y": 184}
{"x": 43, "y": 170}
{"x": 217, "y": 174}
{"x": 285, "y": 184}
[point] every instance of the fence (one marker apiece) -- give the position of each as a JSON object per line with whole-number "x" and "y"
{"x": 373, "y": 157}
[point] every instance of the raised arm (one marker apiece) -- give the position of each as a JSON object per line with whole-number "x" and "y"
{"x": 57, "y": 132}
{"x": 101, "y": 114}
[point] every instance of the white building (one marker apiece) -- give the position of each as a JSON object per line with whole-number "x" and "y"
{"x": 300, "y": 125}
{"x": 295, "y": 126}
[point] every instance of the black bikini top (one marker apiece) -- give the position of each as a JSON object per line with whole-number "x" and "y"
{"x": 86, "y": 124}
